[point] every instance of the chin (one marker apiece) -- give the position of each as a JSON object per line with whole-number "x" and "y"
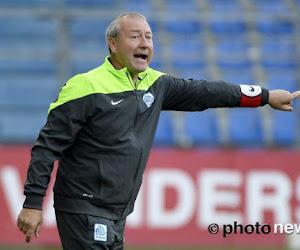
{"x": 141, "y": 69}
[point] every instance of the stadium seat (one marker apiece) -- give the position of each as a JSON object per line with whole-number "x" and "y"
{"x": 272, "y": 26}
{"x": 285, "y": 128}
{"x": 183, "y": 27}
{"x": 279, "y": 63}
{"x": 24, "y": 93}
{"x": 30, "y": 34}
{"x": 27, "y": 66}
{"x": 239, "y": 76}
{"x": 82, "y": 66}
{"x": 103, "y": 4}
{"x": 20, "y": 47}
{"x": 274, "y": 7}
{"x": 92, "y": 46}
{"x": 176, "y": 5}
{"x": 188, "y": 56}
{"x": 184, "y": 68}
{"x": 279, "y": 53}
{"x": 165, "y": 134}
{"x": 28, "y": 3}
{"x": 89, "y": 28}
{"x": 201, "y": 127}
{"x": 197, "y": 74}
{"x": 180, "y": 47}
{"x": 226, "y": 64}
{"x": 233, "y": 6}
{"x": 283, "y": 79}
{"x": 29, "y": 45}
{"x": 28, "y": 28}
{"x": 245, "y": 127}
{"x": 230, "y": 26}
{"x": 21, "y": 126}
{"x": 139, "y": 6}
{"x": 279, "y": 47}
{"x": 228, "y": 47}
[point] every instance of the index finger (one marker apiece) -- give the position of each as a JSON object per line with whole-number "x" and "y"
{"x": 296, "y": 94}
{"x": 29, "y": 235}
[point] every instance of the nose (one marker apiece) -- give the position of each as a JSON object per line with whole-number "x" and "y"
{"x": 144, "y": 43}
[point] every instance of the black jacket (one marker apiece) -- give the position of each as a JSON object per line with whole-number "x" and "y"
{"x": 101, "y": 129}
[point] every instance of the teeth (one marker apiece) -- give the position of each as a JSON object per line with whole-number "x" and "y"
{"x": 142, "y": 56}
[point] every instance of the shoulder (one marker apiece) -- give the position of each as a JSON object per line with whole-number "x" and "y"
{"x": 78, "y": 86}
{"x": 154, "y": 73}
{"x": 153, "y": 76}
{"x": 75, "y": 88}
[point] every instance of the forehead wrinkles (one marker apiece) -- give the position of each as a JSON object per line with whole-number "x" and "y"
{"x": 129, "y": 24}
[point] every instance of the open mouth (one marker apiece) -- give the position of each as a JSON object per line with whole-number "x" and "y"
{"x": 141, "y": 56}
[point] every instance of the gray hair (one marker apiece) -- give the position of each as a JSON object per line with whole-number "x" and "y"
{"x": 113, "y": 29}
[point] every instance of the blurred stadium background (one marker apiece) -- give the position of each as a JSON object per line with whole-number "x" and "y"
{"x": 45, "y": 42}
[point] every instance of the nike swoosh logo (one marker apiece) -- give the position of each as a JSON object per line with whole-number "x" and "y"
{"x": 117, "y": 102}
{"x": 252, "y": 89}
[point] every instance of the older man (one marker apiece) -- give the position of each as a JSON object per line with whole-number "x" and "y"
{"x": 101, "y": 129}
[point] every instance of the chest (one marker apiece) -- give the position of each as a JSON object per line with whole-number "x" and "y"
{"x": 122, "y": 111}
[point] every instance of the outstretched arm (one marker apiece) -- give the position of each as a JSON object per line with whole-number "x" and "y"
{"x": 282, "y": 99}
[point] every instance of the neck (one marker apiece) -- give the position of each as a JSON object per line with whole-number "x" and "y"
{"x": 134, "y": 76}
{"x": 114, "y": 63}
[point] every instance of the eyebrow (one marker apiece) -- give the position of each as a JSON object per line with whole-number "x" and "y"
{"x": 139, "y": 31}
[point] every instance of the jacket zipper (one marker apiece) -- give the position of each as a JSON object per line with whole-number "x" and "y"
{"x": 136, "y": 93}
{"x": 139, "y": 166}
{"x": 131, "y": 83}
{"x": 134, "y": 88}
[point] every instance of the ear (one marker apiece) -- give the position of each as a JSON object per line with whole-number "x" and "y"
{"x": 112, "y": 43}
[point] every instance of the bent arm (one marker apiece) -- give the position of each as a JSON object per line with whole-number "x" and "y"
{"x": 67, "y": 115}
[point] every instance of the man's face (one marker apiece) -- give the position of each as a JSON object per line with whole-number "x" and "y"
{"x": 134, "y": 47}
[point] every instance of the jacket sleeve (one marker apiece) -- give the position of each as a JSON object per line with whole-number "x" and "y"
{"x": 198, "y": 95}
{"x": 66, "y": 116}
